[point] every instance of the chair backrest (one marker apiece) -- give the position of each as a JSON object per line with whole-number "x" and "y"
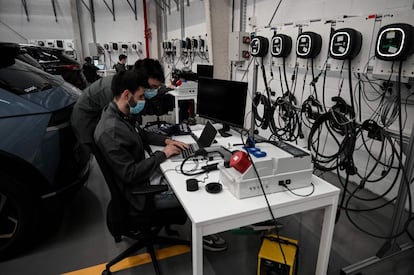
{"x": 119, "y": 220}
{"x": 118, "y": 207}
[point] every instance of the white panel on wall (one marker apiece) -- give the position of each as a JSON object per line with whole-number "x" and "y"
{"x": 365, "y": 25}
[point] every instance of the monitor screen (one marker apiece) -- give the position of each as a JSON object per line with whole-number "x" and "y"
{"x": 100, "y": 66}
{"x": 223, "y": 101}
{"x": 205, "y": 70}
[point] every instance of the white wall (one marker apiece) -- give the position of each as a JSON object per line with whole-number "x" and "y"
{"x": 194, "y": 27}
{"x": 15, "y": 28}
{"x": 124, "y": 29}
{"x": 194, "y": 20}
{"x": 42, "y": 24}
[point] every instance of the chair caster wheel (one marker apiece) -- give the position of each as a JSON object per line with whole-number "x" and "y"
{"x": 106, "y": 272}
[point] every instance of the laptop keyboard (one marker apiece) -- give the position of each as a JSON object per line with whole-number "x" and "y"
{"x": 188, "y": 152}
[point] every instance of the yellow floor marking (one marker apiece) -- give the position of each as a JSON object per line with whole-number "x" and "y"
{"x": 132, "y": 261}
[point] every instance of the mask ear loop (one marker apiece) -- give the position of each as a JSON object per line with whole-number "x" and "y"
{"x": 132, "y": 97}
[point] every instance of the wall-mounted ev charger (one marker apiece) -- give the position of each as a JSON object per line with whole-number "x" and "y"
{"x": 395, "y": 42}
{"x": 281, "y": 45}
{"x": 308, "y": 45}
{"x": 345, "y": 44}
{"x": 259, "y": 46}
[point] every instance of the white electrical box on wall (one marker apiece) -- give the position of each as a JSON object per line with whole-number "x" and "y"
{"x": 323, "y": 29}
{"x": 364, "y": 25}
{"x": 384, "y": 68}
{"x": 239, "y": 46}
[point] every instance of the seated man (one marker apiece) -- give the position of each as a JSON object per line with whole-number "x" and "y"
{"x": 90, "y": 70}
{"x": 123, "y": 144}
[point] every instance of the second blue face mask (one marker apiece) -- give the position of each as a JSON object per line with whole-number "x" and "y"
{"x": 137, "y": 108}
{"x": 150, "y": 93}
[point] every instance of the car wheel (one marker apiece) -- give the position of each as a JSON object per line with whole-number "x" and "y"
{"x": 18, "y": 216}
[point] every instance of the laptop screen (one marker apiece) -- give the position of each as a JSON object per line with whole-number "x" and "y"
{"x": 207, "y": 135}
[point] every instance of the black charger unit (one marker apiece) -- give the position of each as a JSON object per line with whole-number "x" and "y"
{"x": 281, "y": 45}
{"x": 259, "y": 46}
{"x": 345, "y": 44}
{"x": 395, "y": 42}
{"x": 308, "y": 45}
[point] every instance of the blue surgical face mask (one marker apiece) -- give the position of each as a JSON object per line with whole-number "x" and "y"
{"x": 137, "y": 108}
{"x": 150, "y": 93}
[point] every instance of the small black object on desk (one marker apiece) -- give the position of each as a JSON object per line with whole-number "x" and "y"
{"x": 213, "y": 187}
{"x": 192, "y": 185}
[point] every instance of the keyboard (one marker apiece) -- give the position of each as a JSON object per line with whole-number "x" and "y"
{"x": 170, "y": 129}
{"x": 188, "y": 152}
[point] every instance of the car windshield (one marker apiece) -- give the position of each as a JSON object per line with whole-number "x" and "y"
{"x": 48, "y": 56}
{"x": 21, "y": 78}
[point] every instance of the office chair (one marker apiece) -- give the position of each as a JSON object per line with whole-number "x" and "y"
{"x": 159, "y": 105}
{"x": 142, "y": 226}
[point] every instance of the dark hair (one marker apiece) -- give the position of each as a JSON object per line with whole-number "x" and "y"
{"x": 128, "y": 80}
{"x": 88, "y": 59}
{"x": 151, "y": 68}
{"x": 122, "y": 56}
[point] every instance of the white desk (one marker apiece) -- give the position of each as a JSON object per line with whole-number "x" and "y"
{"x": 213, "y": 213}
{"x": 182, "y": 96}
{"x": 104, "y": 73}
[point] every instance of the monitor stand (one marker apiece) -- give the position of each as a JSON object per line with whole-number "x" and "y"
{"x": 223, "y": 131}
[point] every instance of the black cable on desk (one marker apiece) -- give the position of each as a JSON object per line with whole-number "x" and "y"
{"x": 185, "y": 172}
{"x": 299, "y": 195}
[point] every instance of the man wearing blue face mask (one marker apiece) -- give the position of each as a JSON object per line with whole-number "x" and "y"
{"x": 88, "y": 108}
{"x": 150, "y": 93}
{"x": 122, "y": 143}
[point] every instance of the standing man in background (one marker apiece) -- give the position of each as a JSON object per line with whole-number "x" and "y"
{"x": 87, "y": 110}
{"x": 120, "y": 66}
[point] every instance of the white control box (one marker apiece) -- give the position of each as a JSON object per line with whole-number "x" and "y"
{"x": 188, "y": 87}
{"x": 277, "y": 169}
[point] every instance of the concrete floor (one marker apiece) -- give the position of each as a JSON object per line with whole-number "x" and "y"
{"x": 83, "y": 240}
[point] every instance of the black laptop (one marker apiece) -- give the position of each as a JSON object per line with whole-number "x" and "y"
{"x": 205, "y": 140}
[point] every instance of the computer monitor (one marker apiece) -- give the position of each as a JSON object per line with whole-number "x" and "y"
{"x": 222, "y": 101}
{"x": 204, "y": 70}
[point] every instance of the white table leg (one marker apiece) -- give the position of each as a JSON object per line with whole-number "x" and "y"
{"x": 326, "y": 238}
{"x": 197, "y": 246}
{"x": 177, "y": 111}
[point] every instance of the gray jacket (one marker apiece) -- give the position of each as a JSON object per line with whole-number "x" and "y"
{"x": 122, "y": 145}
{"x": 87, "y": 110}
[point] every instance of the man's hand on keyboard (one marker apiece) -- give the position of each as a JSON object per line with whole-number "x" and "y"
{"x": 171, "y": 150}
{"x": 180, "y": 145}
